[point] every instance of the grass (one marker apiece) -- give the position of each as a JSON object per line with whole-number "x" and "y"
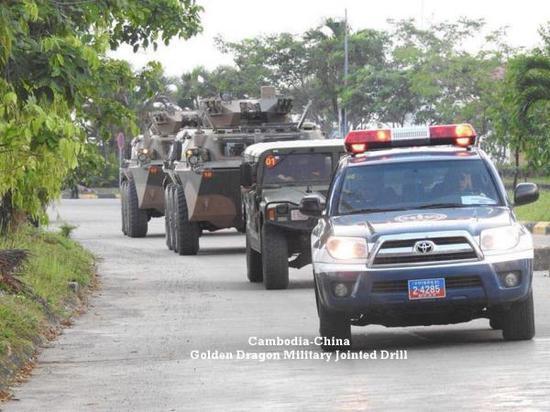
{"x": 543, "y": 180}
{"x": 535, "y": 212}
{"x": 54, "y": 262}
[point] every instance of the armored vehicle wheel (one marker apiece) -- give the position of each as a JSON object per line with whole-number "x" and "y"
{"x": 173, "y": 218}
{"x": 274, "y": 258}
{"x": 518, "y": 323}
{"x": 334, "y": 328}
{"x": 137, "y": 218}
{"x": 167, "y": 216}
{"x": 253, "y": 263}
{"x": 187, "y": 233}
{"x": 123, "y": 186}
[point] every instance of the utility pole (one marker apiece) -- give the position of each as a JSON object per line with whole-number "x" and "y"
{"x": 346, "y": 69}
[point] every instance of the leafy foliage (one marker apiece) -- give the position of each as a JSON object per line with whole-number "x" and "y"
{"x": 55, "y": 81}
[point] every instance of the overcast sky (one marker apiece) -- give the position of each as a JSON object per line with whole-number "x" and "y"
{"x": 237, "y": 19}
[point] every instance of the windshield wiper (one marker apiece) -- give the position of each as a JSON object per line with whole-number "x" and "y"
{"x": 374, "y": 210}
{"x": 440, "y": 205}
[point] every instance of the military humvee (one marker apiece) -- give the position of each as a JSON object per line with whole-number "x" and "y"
{"x": 141, "y": 175}
{"x": 202, "y": 191}
{"x": 274, "y": 179}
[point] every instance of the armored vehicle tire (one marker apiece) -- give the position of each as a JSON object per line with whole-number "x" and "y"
{"x": 253, "y": 263}
{"x": 274, "y": 258}
{"x": 167, "y": 216}
{"x": 333, "y": 328}
{"x": 518, "y": 323}
{"x": 136, "y": 218}
{"x": 187, "y": 233}
{"x": 123, "y": 206}
{"x": 173, "y": 218}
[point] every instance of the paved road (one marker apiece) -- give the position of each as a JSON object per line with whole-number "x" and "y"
{"x": 132, "y": 350}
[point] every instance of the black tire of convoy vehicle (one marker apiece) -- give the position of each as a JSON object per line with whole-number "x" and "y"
{"x": 187, "y": 233}
{"x": 167, "y": 215}
{"x": 173, "y": 218}
{"x": 136, "y": 218}
{"x": 254, "y": 270}
{"x": 274, "y": 258}
{"x": 123, "y": 206}
{"x": 518, "y": 323}
{"x": 333, "y": 328}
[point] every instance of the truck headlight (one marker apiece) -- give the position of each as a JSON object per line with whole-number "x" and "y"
{"x": 347, "y": 248}
{"x": 500, "y": 238}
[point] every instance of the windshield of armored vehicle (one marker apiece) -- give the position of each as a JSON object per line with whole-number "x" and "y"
{"x": 295, "y": 168}
{"x": 417, "y": 185}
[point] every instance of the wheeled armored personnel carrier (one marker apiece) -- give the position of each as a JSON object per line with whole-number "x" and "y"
{"x": 274, "y": 179}
{"x": 141, "y": 175}
{"x": 203, "y": 186}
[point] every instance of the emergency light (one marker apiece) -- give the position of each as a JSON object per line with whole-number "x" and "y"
{"x": 360, "y": 141}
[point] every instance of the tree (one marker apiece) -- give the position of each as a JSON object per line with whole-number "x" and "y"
{"x": 53, "y": 70}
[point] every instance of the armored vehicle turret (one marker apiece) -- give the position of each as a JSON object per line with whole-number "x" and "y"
{"x": 202, "y": 191}
{"x": 141, "y": 175}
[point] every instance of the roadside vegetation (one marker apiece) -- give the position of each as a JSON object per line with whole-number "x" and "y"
{"x": 536, "y": 212}
{"x": 37, "y": 292}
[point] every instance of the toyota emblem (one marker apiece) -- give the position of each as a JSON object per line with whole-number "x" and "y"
{"x": 424, "y": 247}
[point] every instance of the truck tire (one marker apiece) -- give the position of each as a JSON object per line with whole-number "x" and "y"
{"x": 518, "y": 323}
{"x": 187, "y": 233}
{"x": 253, "y": 263}
{"x": 167, "y": 216}
{"x": 333, "y": 328}
{"x": 123, "y": 186}
{"x": 274, "y": 258}
{"x": 173, "y": 218}
{"x": 137, "y": 218}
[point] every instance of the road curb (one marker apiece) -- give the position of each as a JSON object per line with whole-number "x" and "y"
{"x": 538, "y": 228}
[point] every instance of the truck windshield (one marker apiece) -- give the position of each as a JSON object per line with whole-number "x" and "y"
{"x": 417, "y": 185}
{"x": 293, "y": 168}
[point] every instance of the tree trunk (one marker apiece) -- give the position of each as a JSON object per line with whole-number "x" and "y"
{"x": 6, "y": 213}
{"x": 516, "y": 171}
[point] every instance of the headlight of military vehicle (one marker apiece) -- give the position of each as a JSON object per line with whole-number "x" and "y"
{"x": 347, "y": 248}
{"x": 500, "y": 238}
{"x": 143, "y": 155}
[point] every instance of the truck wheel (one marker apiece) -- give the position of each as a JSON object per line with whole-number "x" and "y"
{"x": 274, "y": 258}
{"x": 123, "y": 186}
{"x": 518, "y": 323}
{"x": 137, "y": 218}
{"x": 167, "y": 215}
{"x": 334, "y": 328}
{"x": 253, "y": 263}
{"x": 187, "y": 233}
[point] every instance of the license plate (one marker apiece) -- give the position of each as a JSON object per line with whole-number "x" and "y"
{"x": 427, "y": 289}
{"x": 297, "y": 215}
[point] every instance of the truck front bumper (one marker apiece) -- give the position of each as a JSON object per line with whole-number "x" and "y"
{"x": 476, "y": 287}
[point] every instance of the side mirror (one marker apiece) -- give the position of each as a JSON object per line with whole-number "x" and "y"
{"x": 312, "y": 205}
{"x": 248, "y": 174}
{"x": 525, "y": 193}
{"x": 175, "y": 151}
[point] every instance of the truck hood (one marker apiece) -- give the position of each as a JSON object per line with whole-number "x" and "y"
{"x": 374, "y": 225}
{"x": 291, "y": 194}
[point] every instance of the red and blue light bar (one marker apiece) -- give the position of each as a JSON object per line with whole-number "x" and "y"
{"x": 360, "y": 141}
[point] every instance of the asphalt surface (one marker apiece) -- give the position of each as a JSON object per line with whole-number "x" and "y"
{"x": 132, "y": 349}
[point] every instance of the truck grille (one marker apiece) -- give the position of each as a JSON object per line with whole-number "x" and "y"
{"x": 456, "y": 282}
{"x": 402, "y": 251}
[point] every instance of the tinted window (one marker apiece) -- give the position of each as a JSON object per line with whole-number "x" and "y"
{"x": 297, "y": 168}
{"x": 410, "y": 185}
